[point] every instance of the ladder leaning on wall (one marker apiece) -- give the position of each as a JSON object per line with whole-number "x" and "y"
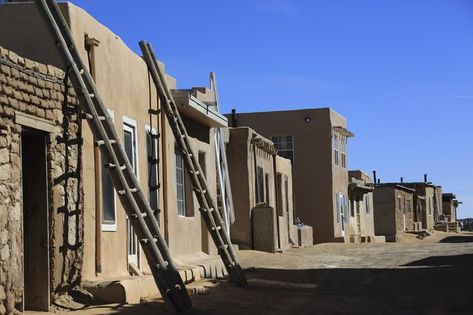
{"x": 224, "y": 186}
{"x": 208, "y": 207}
{"x": 134, "y": 202}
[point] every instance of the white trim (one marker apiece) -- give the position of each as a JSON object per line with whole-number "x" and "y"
{"x": 110, "y": 227}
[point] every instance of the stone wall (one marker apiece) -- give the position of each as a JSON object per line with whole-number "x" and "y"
{"x": 37, "y": 90}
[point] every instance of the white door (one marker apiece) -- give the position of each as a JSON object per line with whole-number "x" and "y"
{"x": 130, "y": 145}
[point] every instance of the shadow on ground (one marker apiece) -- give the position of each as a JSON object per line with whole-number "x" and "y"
{"x": 457, "y": 239}
{"x": 422, "y": 287}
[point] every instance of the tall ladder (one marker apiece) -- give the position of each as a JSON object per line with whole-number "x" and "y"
{"x": 224, "y": 186}
{"x": 208, "y": 207}
{"x": 121, "y": 172}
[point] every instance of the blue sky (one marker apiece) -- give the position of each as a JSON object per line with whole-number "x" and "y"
{"x": 400, "y": 71}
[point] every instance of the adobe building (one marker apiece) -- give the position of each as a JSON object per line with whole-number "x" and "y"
{"x": 41, "y": 184}
{"x": 262, "y": 193}
{"x": 427, "y": 203}
{"x": 361, "y": 207}
{"x": 394, "y": 210}
{"x": 448, "y": 219}
{"x": 449, "y": 207}
{"x": 315, "y": 140}
{"x": 83, "y": 226}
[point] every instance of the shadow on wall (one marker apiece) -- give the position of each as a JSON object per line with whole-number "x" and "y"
{"x": 69, "y": 208}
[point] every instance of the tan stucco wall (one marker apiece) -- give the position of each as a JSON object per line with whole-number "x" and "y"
{"x": 316, "y": 178}
{"x": 123, "y": 82}
{"x": 366, "y": 217}
{"x": 389, "y": 219}
{"x": 241, "y": 162}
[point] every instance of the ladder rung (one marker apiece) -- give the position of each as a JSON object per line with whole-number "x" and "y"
{"x": 123, "y": 191}
{"x": 216, "y": 228}
{"x": 92, "y": 95}
{"x": 145, "y": 241}
{"x": 194, "y": 173}
{"x": 158, "y": 266}
{"x": 203, "y": 191}
{"x": 112, "y": 166}
{"x": 81, "y": 71}
{"x": 101, "y": 142}
{"x": 143, "y": 215}
{"x": 206, "y": 210}
{"x": 223, "y": 246}
{"x": 90, "y": 116}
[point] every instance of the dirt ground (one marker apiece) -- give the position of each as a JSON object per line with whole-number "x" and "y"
{"x": 430, "y": 276}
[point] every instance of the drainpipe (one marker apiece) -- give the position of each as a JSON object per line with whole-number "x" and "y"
{"x": 90, "y": 44}
{"x": 278, "y": 205}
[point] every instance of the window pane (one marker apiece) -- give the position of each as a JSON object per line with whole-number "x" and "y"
{"x": 108, "y": 199}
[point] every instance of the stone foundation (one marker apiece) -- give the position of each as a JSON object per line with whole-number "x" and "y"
{"x": 37, "y": 93}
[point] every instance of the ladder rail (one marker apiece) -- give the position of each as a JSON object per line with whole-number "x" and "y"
{"x": 164, "y": 270}
{"x": 213, "y": 218}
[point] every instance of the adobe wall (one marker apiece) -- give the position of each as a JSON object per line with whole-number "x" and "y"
{"x": 384, "y": 218}
{"x": 33, "y": 90}
{"x": 312, "y": 174}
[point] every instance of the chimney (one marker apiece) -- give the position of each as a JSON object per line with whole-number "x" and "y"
{"x": 234, "y": 118}
{"x": 374, "y": 177}
{"x": 379, "y": 181}
{"x": 425, "y": 178}
{"x": 402, "y": 180}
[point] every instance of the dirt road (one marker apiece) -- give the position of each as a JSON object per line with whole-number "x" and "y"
{"x": 430, "y": 276}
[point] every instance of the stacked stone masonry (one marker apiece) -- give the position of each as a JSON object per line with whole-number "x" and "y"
{"x": 31, "y": 88}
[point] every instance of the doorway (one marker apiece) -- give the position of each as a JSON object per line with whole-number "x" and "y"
{"x": 35, "y": 221}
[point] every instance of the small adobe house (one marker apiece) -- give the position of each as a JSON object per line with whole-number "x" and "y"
{"x": 315, "y": 140}
{"x": 361, "y": 220}
{"x": 394, "y": 210}
{"x": 449, "y": 207}
{"x": 448, "y": 219}
{"x": 87, "y": 236}
{"x": 262, "y": 192}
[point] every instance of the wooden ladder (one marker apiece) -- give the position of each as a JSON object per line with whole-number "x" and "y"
{"x": 115, "y": 159}
{"x": 208, "y": 207}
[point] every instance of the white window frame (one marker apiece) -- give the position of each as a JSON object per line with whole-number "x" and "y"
{"x": 177, "y": 155}
{"x": 110, "y": 227}
{"x": 130, "y": 125}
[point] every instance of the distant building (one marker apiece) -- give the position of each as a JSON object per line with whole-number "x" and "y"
{"x": 262, "y": 193}
{"x": 361, "y": 219}
{"x": 315, "y": 140}
{"x": 449, "y": 207}
{"x": 394, "y": 210}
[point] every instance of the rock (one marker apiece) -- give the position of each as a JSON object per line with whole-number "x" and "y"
{"x": 5, "y": 253}
{"x": 4, "y": 156}
{"x": 3, "y": 311}
{"x": 2, "y": 294}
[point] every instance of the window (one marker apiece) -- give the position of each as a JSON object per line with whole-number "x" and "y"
{"x": 152, "y": 163}
{"x": 180, "y": 185}
{"x": 285, "y": 146}
{"x": 343, "y": 151}
{"x": 109, "y": 208}
{"x": 367, "y": 204}
{"x": 266, "y": 187}
{"x": 399, "y": 202}
{"x": 342, "y": 209}
{"x": 259, "y": 185}
{"x": 335, "y": 147}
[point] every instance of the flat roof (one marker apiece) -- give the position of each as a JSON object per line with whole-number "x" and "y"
{"x": 194, "y": 108}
